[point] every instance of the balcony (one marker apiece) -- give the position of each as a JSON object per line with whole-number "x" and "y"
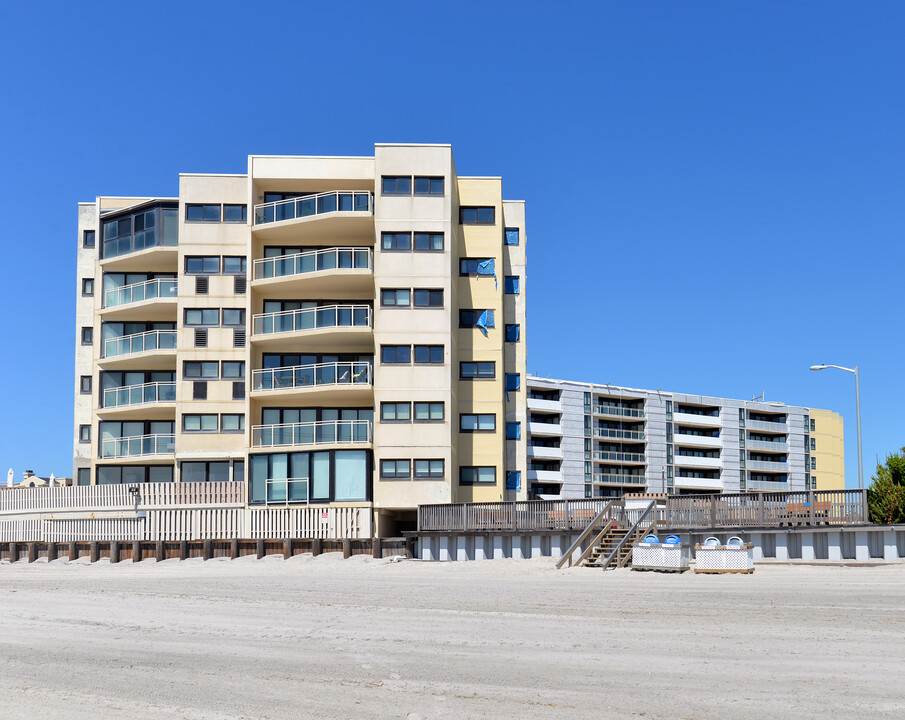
{"x": 619, "y": 456}
{"x": 768, "y": 466}
{"x": 544, "y": 453}
{"x": 327, "y": 382}
{"x": 689, "y": 483}
{"x": 618, "y": 411}
{"x": 696, "y": 462}
{"x": 619, "y": 434}
{"x": 554, "y": 406}
{"x": 619, "y": 479}
{"x": 149, "y": 300}
{"x": 154, "y": 401}
{"x": 767, "y": 486}
{"x": 330, "y": 272}
{"x": 333, "y": 215}
{"x": 545, "y": 476}
{"x": 151, "y": 350}
{"x": 777, "y": 447}
{"x": 545, "y": 429}
{"x": 328, "y": 328}
{"x": 141, "y": 242}
{"x": 696, "y": 420}
{"x": 138, "y": 446}
{"x": 701, "y": 441}
{"x": 768, "y": 426}
{"x": 328, "y": 432}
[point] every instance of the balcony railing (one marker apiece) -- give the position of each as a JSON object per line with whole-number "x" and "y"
{"x": 618, "y": 411}
{"x": 287, "y": 490}
{"x": 619, "y": 434}
{"x": 311, "y": 433}
{"x": 312, "y": 318}
{"x": 154, "y": 392}
{"x": 138, "y": 446}
{"x": 763, "y": 465}
{"x": 771, "y": 446}
{"x": 164, "y": 236}
{"x": 313, "y": 261}
{"x": 618, "y": 456}
{"x": 140, "y": 342}
{"x": 136, "y": 292}
{"x": 763, "y": 425}
{"x": 303, "y": 376}
{"x": 773, "y": 485}
{"x": 619, "y": 479}
{"x": 327, "y": 202}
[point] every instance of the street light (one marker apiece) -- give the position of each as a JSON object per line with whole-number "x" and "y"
{"x": 858, "y": 410}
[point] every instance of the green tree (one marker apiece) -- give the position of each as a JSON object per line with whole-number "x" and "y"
{"x": 886, "y": 495}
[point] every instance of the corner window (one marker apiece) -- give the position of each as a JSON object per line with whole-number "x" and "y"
{"x": 512, "y": 236}
{"x": 477, "y": 475}
{"x": 235, "y": 213}
{"x": 396, "y": 354}
{"x": 202, "y": 213}
{"x": 87, "y": 287}
{"x": 396, "y": 184}
{"x": 87, "y": 336}
{"x": 428, "y": 242}
{"x": 428, "y": 186}
{"x": 477, "y": 215}
{"x": 88, "y": 239}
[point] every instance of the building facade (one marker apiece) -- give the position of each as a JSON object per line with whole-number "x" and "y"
{"x": 334, "y": 330}
{"x": 588, "y": 440}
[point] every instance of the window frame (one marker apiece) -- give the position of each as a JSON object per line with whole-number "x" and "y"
{"x": 202, "y": 271}
{"x": 430, "y": 185}
{"x": 430, "y": 239}
{"x": 86, "y": 283}
{"x": 231, "y": 431}
{"x": 203, "y": 323}
{"x": 478, "y": 375}
{"x": 225, "y": 363}
{"x": 82, "y": 379}
{"x": 85, "y": 235}
{"x": 201, "y": 418}
{"x": 431, "y": 475}
{"x": 396, "y": 349}
{"x": 84, "y": 434}
{"x": 244, "y": 212}
{"x": 200, "y": 364}
{"x": 430, "y": 407}
{"x": 512, "y": 285}
{"x": 467, "y": 210}
{"x": 396, "y": 462}
{"x": 477, "y": 480}
{"x": 223, "y": 322}
{"x": 386, "y": 292}
{"x": 244, "y": 265}
{"x": 87, "y": 335}
{"x": 395, "y": 244}
{"x": 396, "y": 180}
{"x": 431, "y": 352}
{"x": 205, "y": 208}
{"x": 396, "y": 419}
{"x": 478, "y": 419}
{"x": 432, "y": 295}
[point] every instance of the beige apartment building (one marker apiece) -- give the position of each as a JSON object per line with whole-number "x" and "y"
{"x": 332, "y": 330}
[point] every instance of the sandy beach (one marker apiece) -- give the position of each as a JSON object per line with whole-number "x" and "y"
{"x": 328, "y": 638}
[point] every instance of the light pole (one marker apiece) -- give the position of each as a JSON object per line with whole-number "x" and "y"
{"x": 857, "y": 410}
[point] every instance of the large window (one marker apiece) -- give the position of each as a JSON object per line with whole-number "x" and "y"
{"x": 477, "y": 370}
{"x": 477, "y": 215}
{"x": 316, "y": 477}
{"x": 140, "y": 230}
{"x": 477, "y": 475}
{"x": 133, "y": 474}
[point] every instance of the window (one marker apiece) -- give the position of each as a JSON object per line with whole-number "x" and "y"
{"x": 477, "y": 475}
{"x": 470, "y": 423}
{"x": 205, "y": 317}
{"x": 395, "y": 412}
{"x": 512, "y": 285}
{"x": 514, "y": 480}
{"x": 428, "y": 298}
{"x": 238, "y": 390}
{"x": 428, "y": 242}
{"x": 428, "y": 354}
{"x": 232, "y": 369}
{"x": 512, "y": 333}
{"x": 513, "y": 431}
{"x": 84, "y": 476}
{"x": 84, "y": 433}
{"x": 477, "y": 215}
{"x": 87, "y": 287}
{"x": 395, "y": 298}
{"x": 85, "y": 384}
{"x": 88, "y": 239}
{"x": 813, "y": 425}
{"x": 428, "y": 186}
{"x": 232, "y": 422}
{"x": 477, "y": 370}
{"x": 233, "y": 316}
{"x": 202, "y": 264}
{"x": 428, "y": 411}
{"x": 204, "y": 472}
{"x": 398, "y": 354}
{"x": 234, "y": 265}
{"x": 200, "y": 369}
{"x": 396, "y": 184}
{"x": 469, "y": 266}
{"x": 87, "y": 336}
{"x": 397, "y": 241}
{"x": 476, "y": 318}
{"x": 202, "y": 213}
{"x": 395, "y": 470}
{"x": 235, "y": 213}
{"x": 513, "y": 381}
{"x": 512, "y": 236}
{"x": 813, "y": 463}
{"x": 813, "y": 444}
{"x": 430, "y": 470}
{"x": 199, "y": 423}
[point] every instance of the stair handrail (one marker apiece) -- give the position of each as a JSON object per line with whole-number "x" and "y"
{"x": 567, "y": 555}
{"x": 628, "y": 534}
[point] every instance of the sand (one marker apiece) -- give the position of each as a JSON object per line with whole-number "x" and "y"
{"x": 328, "y": 638}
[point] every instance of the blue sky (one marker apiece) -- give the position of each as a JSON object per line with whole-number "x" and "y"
{"x": 715, "y": 190}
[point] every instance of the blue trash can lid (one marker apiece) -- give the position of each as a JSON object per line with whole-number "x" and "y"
{"x": 712, "y": 541}
{"x": 651, "y": 539}
{"x": 735, "y": 540}
{"x": 672, "y": 540}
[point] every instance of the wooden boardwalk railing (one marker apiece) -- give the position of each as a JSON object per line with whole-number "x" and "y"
{"x": 526, "y": 515}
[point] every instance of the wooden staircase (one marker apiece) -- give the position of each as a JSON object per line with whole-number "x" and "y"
{"x": 611, "y": 536}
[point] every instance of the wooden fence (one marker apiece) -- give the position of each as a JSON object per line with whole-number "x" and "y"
{"x": 529, "y": 515}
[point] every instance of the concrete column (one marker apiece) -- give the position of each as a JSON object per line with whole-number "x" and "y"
{"x": 13, "y": 552}
{"x": 443, "y": 551}
{"x": 517, "y": 548}
{"x": 834, "y": 545}
{"x": 32, "y": 552}
{"x": 462, "y": 548}
{"x": 425, "y": 550}
{"x": 536, "y": 549}
{"x": 183, "y": 550}
{"x": 782, "y": 546}
{"x": 890, "y": 548}
{"x": 807, "y": 546}
{"x": 557, "y": 546}
{"x": 480, "y": 547}
{"x": 260, "y": 548}
{"x": 757, "y": 540}
{"x": 862, "y": 551}
{"x": 498, "y": 551}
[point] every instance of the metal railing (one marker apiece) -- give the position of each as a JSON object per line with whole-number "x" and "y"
{"x": 137, "y": 292}
{"x": 313, "y": 261}
{"x": 618, "y": 411}
{"x": 620, "y": 479}
{"x": 140, "y": 342}
{"x": 304, "y": 376}
{"x": 771, "y": 446}
{"x": 311, "y": 433}
{"x": 154, "y": 392}
{"x": 138, "y": 445}
{"x": 620, "y": 434}
{"x": 320, "y": 204}
{"x": 618, "y": 456}
{"x": 312, "y": 318}
{"x": 508, "y": 516}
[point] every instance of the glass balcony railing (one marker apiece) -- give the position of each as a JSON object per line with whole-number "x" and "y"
{"x": 137, "y": 292}
{"x": 774, "y": 485}
{"x": 140, "y": 342}
{"x": 619, "y": 434}
{"x": 138, "y": 445}
{"x": 618, "y": 411}
{"x": 765, "y": 465}
{"x": 618, "y": 456}
{"x": 770, "y": 446}
{"x": 764, "y": 425}
{"x": 312, "y": 319}
{"x": 320, "y": 204}
{"x": 619, "y": 479}
{"x": 304, "y": 376}
{"x": 311, "y": 433}
{"x": 313, "y": 261}
{"x": 154, "y": 392}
